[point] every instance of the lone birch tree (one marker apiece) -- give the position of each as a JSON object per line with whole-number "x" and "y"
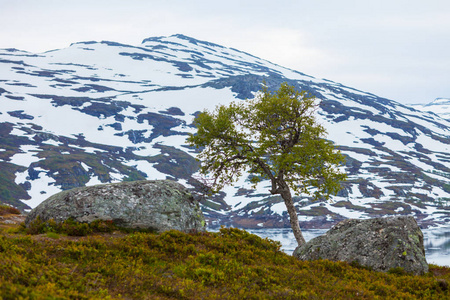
{"x": 274, "y": 136}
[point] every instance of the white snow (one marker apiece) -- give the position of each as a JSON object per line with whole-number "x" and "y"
{"x": 41, "y": 188}
{"x": 278, "y": 208}
{"x": 27, "y": 157}
{"x": 147, "y": 168}
{"x": 52, "y": 142}
{"x": 19, "y": 132}
{"x": 147, "y": 151}
{"x": 430, "y": 143}
{"x": 94, "y": 180}
{"x": 85, "y": 166}
{"x": 356, "y": 193}
{"x": 185, "y": 183}
{"x": 92, "y": 150}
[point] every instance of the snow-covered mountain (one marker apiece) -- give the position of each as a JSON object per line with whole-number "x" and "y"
{"x": 440, "y": 106}
{"x": 99, "y": 112}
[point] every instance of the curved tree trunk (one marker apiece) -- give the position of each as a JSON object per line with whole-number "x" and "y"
{"x": 293, "y": 218}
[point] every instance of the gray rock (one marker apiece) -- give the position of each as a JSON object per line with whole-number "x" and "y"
{"x": 156, "y": 204}
{"x": 381, "y": 244}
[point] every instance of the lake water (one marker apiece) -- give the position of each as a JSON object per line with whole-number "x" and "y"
{"x": 436, "y": 241}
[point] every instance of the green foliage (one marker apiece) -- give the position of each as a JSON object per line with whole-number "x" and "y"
{"x": 229, "y": 264}
{"x": 274, "y": 136}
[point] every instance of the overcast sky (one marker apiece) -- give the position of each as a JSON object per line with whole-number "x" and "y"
{"x": 393, "y": 48}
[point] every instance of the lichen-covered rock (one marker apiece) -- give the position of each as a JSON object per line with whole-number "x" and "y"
{"x": 156, "y": 204}
{"x": 380, "y": 243}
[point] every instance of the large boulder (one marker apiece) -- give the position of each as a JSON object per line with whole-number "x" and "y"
{"x": 156, "y": 204}
{"x": 381, "y": 244}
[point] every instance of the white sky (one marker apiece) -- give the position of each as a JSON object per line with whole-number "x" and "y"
{"x": 393, "y": 48}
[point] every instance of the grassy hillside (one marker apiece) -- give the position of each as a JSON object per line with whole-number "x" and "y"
{"x": 230, "y": 264}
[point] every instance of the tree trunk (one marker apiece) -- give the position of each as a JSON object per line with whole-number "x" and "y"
{"x": 293, "y": 218}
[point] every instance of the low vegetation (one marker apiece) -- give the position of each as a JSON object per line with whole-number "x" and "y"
{"x": 105, "y": 263}
{"x": 7, "y": 210}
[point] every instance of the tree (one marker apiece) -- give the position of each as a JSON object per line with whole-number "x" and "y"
{"x": 274, "y": 136}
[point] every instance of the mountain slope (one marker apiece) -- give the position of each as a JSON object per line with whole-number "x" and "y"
{"x": 440, "y": 106}
{"x": 99, "y": 112}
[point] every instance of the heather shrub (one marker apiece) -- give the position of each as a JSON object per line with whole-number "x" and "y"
{"x": 229, "y": 264}
{"x": 6, "y": 210}
{"x": 69, "y": 227}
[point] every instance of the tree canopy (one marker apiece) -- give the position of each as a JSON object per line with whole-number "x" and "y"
{"x": 274, "y": 136}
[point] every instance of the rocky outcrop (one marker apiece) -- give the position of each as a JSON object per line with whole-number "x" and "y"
{"x": 381, "y": 244}
{"x": 157, "y": 204}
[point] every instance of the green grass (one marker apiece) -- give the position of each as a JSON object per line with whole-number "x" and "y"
{"x": 230, "y": 264}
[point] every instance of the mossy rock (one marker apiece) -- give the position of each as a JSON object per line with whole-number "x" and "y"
{"x": 158, "y": 205}
{"x": 380, "y": 244}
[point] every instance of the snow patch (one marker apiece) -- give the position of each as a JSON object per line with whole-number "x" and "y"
{"x": 27, "y": 158}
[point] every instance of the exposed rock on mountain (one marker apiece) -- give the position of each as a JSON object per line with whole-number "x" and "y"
{"x": 100, "y": 112}
{"x": 381, "y": 244}
{"x": 159, "y": 205}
